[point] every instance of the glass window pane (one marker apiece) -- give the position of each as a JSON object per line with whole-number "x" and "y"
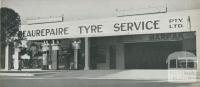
{"x": 181, "y": 63}
{"x": 173, "y": 63}
{"x": 190, "y": 64}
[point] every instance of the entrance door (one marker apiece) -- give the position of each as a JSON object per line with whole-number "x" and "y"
{"x": 149, "y": 55}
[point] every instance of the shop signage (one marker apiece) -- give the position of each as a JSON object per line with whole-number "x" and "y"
{"x": 144, "y": 24}
{"x": 166, "y": 36}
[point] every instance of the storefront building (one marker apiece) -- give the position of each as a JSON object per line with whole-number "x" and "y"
{"x": 132, "y": 42}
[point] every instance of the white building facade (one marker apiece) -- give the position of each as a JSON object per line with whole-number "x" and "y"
{"x": 131, "y": 42}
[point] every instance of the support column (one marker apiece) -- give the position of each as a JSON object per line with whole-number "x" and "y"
{"x": 7, "y": 59}
{"x": 87, "y": 53}
{"x": 0, "y": 52}
{"x": 107, "y": 57}
{"x": 198, "y": 51}
{"x": 16, "y": 58}
{"x": 75, "y": 58}
{"x": 54, "y": 55}
{"x": 120, "y": 58}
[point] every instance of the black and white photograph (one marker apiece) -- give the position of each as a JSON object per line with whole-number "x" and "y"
{"x": 99, "y": 43}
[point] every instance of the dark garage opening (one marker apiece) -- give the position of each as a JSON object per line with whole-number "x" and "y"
{"x": 149, "y": 55}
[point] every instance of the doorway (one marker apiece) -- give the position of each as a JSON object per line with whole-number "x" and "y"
{"x": 149, "y": 55}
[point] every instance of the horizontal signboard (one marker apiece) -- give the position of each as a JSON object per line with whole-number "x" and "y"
{"x": 130, "y": 25}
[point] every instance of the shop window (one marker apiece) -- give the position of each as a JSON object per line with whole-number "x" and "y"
{"x": 190, "y": 64}
{"x": 100, "y": 54}
{"x": 181, "y": 63}
{"x": 173, "y": 63}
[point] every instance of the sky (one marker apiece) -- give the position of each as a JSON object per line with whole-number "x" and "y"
{"x": 90, "y": 9}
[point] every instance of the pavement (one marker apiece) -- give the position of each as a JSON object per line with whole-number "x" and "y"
{"x": 26, "y": 72}
{"x": 137, "y": 74}
{"x": 90, "y": 78}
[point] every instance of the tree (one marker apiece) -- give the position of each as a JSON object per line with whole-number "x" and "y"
{"x": 10, "y": 22}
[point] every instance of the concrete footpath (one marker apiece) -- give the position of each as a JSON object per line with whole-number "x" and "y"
{"x": 151, "y": 75}
{"x": 90, "y": 78}
{"x": 26, "y": 72}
